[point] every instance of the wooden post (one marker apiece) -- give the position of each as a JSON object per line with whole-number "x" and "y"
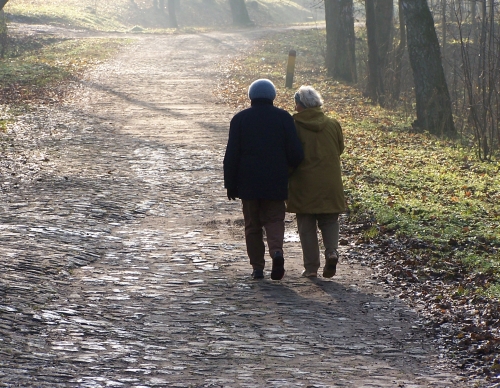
{"x": 290, "y": 69}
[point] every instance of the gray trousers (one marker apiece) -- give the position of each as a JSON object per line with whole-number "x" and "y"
{"x": 308, "y": 225}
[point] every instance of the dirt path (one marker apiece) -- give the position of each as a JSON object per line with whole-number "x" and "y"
{"x": 125, "y": 266}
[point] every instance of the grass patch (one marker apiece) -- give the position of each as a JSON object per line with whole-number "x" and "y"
{"x": 3, "y": 124}
{"x": 399, "y": 183}
{"x": 94, "y": 15}
{"x": 37, "y": 67}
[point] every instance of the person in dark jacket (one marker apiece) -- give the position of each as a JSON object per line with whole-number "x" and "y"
{"x": 262, "y": 146}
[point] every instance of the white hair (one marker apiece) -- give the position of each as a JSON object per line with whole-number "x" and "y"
{"x": 309, "y": 97}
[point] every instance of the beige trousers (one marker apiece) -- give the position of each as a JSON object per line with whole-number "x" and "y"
{"x": 308, "y": 225}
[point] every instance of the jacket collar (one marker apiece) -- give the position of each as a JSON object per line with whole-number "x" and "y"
{"x": 261, "y": 101}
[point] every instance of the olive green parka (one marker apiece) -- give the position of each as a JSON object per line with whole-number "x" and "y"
{"x": 315, "y": 186}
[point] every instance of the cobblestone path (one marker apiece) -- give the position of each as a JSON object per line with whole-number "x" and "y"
{"x": 123, "y": 264}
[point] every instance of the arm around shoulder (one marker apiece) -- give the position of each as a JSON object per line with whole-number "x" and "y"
{"x": 294, "y": 150}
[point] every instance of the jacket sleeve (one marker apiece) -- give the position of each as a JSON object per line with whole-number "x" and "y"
{"x": 232, "y": 156}
{"x": 340, "y": 138}
{"x": 294, "y": 150}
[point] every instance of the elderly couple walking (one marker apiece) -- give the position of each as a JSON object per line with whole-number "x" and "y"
{"x": 276, "y": 163}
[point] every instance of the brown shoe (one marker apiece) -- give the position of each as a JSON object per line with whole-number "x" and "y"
{"x": 330, "y": 268}
{"x": 309, "y": 274}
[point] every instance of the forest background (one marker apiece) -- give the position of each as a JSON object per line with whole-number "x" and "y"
{"x": 424, "y": 195}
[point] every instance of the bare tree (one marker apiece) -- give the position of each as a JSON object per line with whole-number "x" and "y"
{"x": 482, "y": 79}
{"x": 474, "y": 19}
{"x": 379, "y": 15}
{"x": 375, "y": 86}
{"x": 471, "y": 68}
{"x": 398, "y": 58}
{"x": 384, "y": 15}
{"x": 3, "y": 29}
{"x": 159, "y": 5}
{"x": 340, "y": 40}
{"x": 443, "y": 31}
{"x": 240, "y": 13}
{"x": 433, "y": 101}
{"x": 172, "y": 13}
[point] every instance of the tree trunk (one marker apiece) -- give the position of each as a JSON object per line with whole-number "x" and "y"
{"x": 398, "y": 66}
{"x": 493, "y": 81}
{"x": 2, "y": 3}
{"x": 443, "y": 33}
{"x": 240, "y": 13}
{"x": 172, "y": 16}
{"x": 379, "y": 15}
{"x": 340, "y": 40}
{"x": 482, "y": 54}
{"x": 434, "y": 111}
{"x": 375, "y": 87}
{"x": 3, "y": 34}
{"x": 384, "y": 15}
{"x": 474, "y": 21}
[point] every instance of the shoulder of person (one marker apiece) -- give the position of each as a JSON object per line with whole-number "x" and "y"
{"x": 334, "y": 122}
{"x": 283, "y": 112}
{"x": 241, "y": 113}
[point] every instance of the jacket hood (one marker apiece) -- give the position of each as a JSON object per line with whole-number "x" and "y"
{"x": 312, "y": 119}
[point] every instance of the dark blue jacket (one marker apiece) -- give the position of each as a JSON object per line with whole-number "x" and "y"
{"x": 263, "y": 144}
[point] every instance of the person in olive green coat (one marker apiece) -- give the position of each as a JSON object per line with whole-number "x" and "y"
{"x": 316, "y": 193}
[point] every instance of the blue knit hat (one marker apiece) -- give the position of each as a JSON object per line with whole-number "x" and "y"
{"x": 262, "y": 88}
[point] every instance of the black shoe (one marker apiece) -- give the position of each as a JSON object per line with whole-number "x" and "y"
{"x": 278, "y": 270}
{"x": 258, "y": 274}
{"x": 332, "y": 259}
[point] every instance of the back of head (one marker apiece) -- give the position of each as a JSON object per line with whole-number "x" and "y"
{"x": 308, "y": 97}
{"x": 262, "y": 88}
